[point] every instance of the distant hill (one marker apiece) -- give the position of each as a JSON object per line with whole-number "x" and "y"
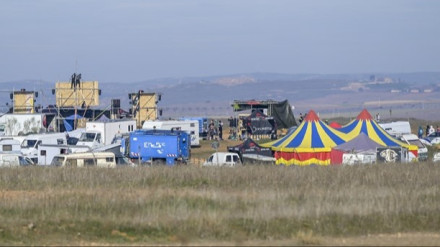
{"x": 213, "y": 95}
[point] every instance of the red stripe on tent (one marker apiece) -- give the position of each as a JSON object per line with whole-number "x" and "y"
{"x": 302, "y": 156}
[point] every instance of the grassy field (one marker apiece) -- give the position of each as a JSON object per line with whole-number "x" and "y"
{"x": 193, "y": 205}
{"x": 394, "y": 204}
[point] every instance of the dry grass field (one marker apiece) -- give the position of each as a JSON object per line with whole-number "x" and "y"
{"x": 381, "y": 204}
{"x": 244, "y": 205}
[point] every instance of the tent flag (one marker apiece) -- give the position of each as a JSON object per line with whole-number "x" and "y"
{"x": 364, "y": 123}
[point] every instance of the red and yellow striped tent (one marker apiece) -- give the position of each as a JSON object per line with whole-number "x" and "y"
{"x": 310, "y": 143}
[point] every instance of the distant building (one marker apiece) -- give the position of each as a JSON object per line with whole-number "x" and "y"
{"x": 428, "y": 91}
{"x": 396, "y": 91}
{"x": 414, "y": 91}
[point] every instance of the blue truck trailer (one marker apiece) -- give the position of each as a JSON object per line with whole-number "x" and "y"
{"x": 157, "y": 146}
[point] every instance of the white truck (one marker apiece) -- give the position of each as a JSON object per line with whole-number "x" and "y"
{"x": 21, "y": 124}
{"x": 402, "y": 131}
{"x": 189, "y": 126}
{"x": 100, "y": 134}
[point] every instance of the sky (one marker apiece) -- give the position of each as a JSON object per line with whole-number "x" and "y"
{"x": 137, "y": 40}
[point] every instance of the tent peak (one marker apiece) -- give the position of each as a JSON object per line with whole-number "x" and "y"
{"x": 311, "y": 116}
{"x": 364, "y": 115}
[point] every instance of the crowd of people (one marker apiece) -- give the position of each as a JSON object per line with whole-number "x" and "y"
{"x": 428, "y": 131}
{"x": 215, "y": 130}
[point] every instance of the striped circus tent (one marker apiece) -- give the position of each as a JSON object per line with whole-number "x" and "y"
{"x": 364, "y": 123}
{"x": 310, "y": 143}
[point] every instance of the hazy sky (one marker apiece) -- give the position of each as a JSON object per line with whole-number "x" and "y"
{"x": 128, "y": 41}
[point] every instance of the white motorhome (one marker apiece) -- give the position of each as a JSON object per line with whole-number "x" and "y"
{"x": 189, "y": 126}
{"x": 223, "y": 159}
{"x": 99, "y": 134}
{"x": 99, "y": 159}
{"x": 46, "y": 152}
{"x": 402, "y": 131}
{"x": 21, "y": 124}
{"x": 29, "y": 146}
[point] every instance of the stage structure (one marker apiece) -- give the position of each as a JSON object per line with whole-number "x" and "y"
{"x": 23, "y": 101}
{"x": 144, "y": 106}
{"x": 76, "y": 94}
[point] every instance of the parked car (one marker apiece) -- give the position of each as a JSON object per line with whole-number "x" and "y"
{"x": 223, "y": 159}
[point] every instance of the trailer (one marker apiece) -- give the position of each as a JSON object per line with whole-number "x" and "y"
{"x": 21, "y": 124}
{"x": 99, "y": 134}
{"x": 157, "y": 146}
{"x": 189, "y": 126}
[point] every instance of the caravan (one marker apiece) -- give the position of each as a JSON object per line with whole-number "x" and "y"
{"x": 99, "y": 159}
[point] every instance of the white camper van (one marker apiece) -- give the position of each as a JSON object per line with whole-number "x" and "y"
{"x": 99, "y": 159}
{"x": 29, "y": 146}
{"x": 189, "y": 126}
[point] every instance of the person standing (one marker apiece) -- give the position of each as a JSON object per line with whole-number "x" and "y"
{"x": 220, "y": 130}
{"x": 420, "y": 131}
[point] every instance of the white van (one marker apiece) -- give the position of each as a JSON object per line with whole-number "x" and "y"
{"x": 223, "y": 159}
{"x": 14, "y": 159}
{"x": 99, "y": 159}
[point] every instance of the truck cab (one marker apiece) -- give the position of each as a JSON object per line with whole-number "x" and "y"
{"x": 91, "y": 139}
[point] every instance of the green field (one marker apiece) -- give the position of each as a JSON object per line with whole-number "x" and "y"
{"x": 193, "y": 205}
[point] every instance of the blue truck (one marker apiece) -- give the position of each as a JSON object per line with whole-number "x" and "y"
{"x": 157, "y": 146}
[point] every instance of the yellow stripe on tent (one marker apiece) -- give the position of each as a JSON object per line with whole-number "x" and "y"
{"x": 308, "y": 162}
